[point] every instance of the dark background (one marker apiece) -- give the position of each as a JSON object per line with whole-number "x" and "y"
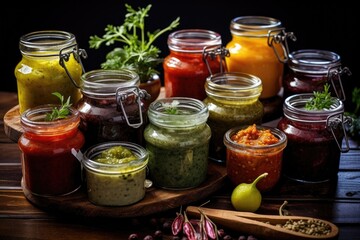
{"x": 326, "y": 25}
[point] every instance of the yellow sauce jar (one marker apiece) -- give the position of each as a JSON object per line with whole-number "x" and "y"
{"x": 259, "y": 47}
{"x": 50, "y": 63}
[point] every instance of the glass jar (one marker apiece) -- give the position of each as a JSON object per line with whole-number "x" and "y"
{"x": 310, "y": 69}
{"x": 48, "y": 166}
{"x": 314, "y": 139}
{"x": 232, "y": 100}
{"x": 115, "y": 184}
{"x": 186, "y": 67}
{"x": 245, "y": 162}
{"x": 50, "y": 63}
{"x": 111, "y": 108}
{"x": 259, "y": 47}
{"x": 177, "y": 139}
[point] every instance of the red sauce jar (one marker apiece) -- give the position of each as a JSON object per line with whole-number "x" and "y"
{"x": 193, "y": 57}
{"x": 48, "y": 166}
{"x": 254, "y": 155}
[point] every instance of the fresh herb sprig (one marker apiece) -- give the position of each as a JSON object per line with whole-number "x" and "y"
{"x": 172, "y": 108}
{"x": 59, "y": 112}
{"x": 321, "y": 99}
{"x": 138, "y": 52}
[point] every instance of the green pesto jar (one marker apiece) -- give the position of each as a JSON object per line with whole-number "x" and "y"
{"x": 232, "y": 100}
{"x": 177, "y": 140}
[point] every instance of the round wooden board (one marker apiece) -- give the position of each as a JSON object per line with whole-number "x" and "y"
{"x": 12, "y": 125}
{"x": 156, "y": 199}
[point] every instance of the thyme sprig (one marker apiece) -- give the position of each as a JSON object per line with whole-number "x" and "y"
{"x": 59, "y": 112}
{"x": 321, "y": 99}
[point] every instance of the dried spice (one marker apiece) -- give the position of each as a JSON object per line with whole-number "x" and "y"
{"x": 188, "y": 229}
{"x": 177, "y": 224}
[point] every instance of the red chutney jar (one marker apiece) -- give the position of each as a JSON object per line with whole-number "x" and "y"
{"x": 194, "y": 55}
{"x": 314, "y": 140}
{"x": 48, "y": 166}
{"x": 310, "y": 69}
{"x": 254, "y": 154}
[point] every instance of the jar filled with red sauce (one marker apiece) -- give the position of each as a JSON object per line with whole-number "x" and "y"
{"x": 48, "y": 166}
{"x": 193, "y": 57}
{"x": 310, "y": 69}
{"x": 254, "y": 150}
{"x": 314, "y": 139}
{"x": 111, "y": 108}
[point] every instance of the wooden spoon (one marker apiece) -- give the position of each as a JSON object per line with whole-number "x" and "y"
{"x": 262, "y": 226}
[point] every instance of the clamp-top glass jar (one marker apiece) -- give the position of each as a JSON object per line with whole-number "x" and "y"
{"x": 177, "y": 140}
{"x": 310, "y": 69}
{"x": 259, "y": 47}
{"x": 48, "y": 166}
{"x": 315, "y": 139}
{"x": 111, "y": 107}
{"x": 194, "y": 55}
{"x": 233, "y": 100}
{"x": 50, "y": 63}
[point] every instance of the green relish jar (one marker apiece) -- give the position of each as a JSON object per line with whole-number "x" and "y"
{"x": 177, "y": 139}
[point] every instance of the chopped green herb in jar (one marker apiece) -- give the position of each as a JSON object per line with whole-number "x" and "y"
{"x": 59, "y": 112}
{"x": 321, "y": 100}
{"x": 171, "y": 108}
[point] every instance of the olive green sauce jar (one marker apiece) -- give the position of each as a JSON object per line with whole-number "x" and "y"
{"x": 177, "y": 139}
{"x": 232, "y": 100}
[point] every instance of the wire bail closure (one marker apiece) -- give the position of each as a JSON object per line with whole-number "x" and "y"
{"x": 280, "y": 38}
{"x": 335, "y": 74}
{"x": 64, "y": 57}
{"x": 210, "y": 52}
{"x": 128, "y": 96}
{"x": 332, "y": 122}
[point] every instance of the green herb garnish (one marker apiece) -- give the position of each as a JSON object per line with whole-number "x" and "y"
{"x": 59, "y": 112}
{"x": 138, "y": 52}
{"x": 321, "y": 100}
{"x": 171, "y": 108}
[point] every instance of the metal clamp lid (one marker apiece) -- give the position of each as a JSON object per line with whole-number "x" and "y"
{"x": 130, "y": 95}
{"x": 64, "y": 57}
{"x": 212, "y": 53}
{"x": 280, "y": 38}
{"x": 332, "y": 122}
{"x": 335, "y": 74}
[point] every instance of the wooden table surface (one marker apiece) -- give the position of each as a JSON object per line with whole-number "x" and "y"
{"x": 337, "y": 202}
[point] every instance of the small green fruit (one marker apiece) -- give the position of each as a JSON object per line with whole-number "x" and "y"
{"x": 246, "y": 197}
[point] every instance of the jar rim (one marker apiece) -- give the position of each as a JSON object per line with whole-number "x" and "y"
{"x": 33, "y": 119}
{"x": 135, "y": 165}
{"x": 233, "y": 86}
{"x": 234, "y": 146}
{"x": 193, "y": 40}
{"x": 255, "y": 26}
{"x": 190, "y": 112}
{"x": 313, "y": 61}
{"x": 104, "y": 82}
{"x": 47, "y": 43}
{"x": 294, "y": 109}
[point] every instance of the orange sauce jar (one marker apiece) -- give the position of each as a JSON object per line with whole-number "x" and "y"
{"x": 253, "y": 150}
{"x": 258, "y": 46}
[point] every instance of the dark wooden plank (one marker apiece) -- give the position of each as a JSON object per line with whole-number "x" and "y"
{"x": 10, "y": 176}
{"x": 9, "y": 153}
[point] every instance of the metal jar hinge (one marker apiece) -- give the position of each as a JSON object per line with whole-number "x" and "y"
{"x": 64, "y": 57}
{"x": 335, "y": 74}
{"x": 211, "y": 52}
{"x": 280, "y": 38}
{"x": 128, "y": 96}
{"x": 332, "y": 122}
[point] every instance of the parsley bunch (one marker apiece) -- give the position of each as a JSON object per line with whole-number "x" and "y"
{"x": 138, "y": 52}
{"x": 321, "y": 100}
{"x": 59, "y": 113}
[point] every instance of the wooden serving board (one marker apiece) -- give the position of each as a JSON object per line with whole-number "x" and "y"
{"x": 12, "y": 126}
{"x": 155, "y": 200}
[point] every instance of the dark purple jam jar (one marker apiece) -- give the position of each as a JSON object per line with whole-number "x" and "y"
{"x": 111, "y": 108}
{"x": 309, "y": 69}
{"x": 315, "y": 139}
